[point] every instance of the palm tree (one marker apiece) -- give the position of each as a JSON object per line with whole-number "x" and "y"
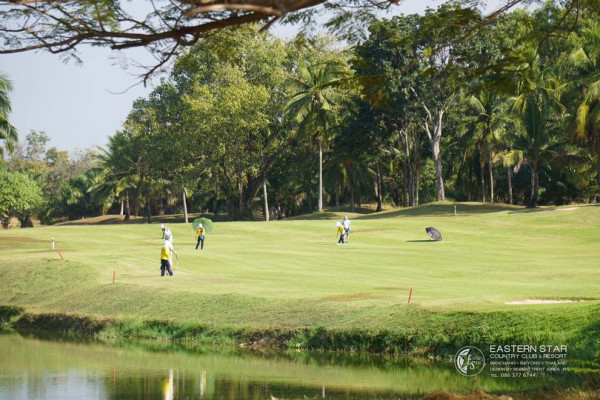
{"x": 120, "y": 172}
{"x": 8, "y": 133}
{"x": 587, "y": 57}
{"x": 539, "y": 141}
{"x": 485, "y": 126}
{"x": 313, "y": 105}
{"x": 588, "y": 122}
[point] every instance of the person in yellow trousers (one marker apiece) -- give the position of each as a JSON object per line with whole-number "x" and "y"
{"x": 165, "y": 258}
{"x": 200, "y": 232}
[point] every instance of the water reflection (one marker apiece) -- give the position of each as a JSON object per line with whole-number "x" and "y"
{"x": 31, "y": 368}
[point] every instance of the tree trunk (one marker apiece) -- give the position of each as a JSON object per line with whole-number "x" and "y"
{"x": 320, "y": 176}
{"x": 122, "y": 207}
{"x": 266, "y": 201}
{"x": 598, "y": 172}
{"x": 161, "y": 207}
{"x": 148, "y": 213}
{"x": 491, "y": 181}
{"x": 216, "y": 203}
{"x": 533, "y": 200}
{"x": 437, "y": 160}
{"x": 127, "y": 213}
{"x": 379, "y": 194}
{"x": 241, "y": 195}
{"x": 417, "y": 179}
{"x": 482, "y": 180}
{"x": 405, "y": 184}
{"x": 185, "y": 212}
{"x": 351, "y": 187}
{"x": 509, "y": 180}
{"x": 409, "y": 173}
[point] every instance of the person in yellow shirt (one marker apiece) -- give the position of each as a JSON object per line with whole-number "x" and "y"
{"x": 200, "y": 232}
{"x": 340, "y": 232}
{"x": 165, "y": 258}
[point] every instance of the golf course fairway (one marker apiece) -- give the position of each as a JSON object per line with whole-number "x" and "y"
{"x": 287, "y": 283}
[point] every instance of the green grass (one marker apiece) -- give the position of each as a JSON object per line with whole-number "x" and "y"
{"x": 290, "y": 275}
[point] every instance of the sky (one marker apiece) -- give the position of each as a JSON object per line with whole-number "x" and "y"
{"x": 80, "y": 106}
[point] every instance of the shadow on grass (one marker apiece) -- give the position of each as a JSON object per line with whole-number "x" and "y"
{"x": 443, "y": 210}
{"x": 333, "y": 214}
{"x": 422, "y": 241}
{"x": 529, "y": 210}
{"x": 164, "y": 219}
{"x": 363, "y": 213}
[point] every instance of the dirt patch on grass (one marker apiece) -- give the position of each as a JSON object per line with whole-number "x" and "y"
{"x": 544, "y": 301}
{"x": 20, "y": 239}
{"x": 351, "y": 297}
{"x": 8, "y": 242}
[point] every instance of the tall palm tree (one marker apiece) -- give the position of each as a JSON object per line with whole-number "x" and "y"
{"x": 587, "y": 58}
{"x": 485, "y": 125}
{"x": 120, "y": 172}
{"x": 8, "y": 133}
{"x": 313, "y": 106}
{"x": 539, "y": 141}
{"x": 588, "y": 122}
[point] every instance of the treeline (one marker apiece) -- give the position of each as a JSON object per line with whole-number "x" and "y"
{"x": 421, "y": 110}
{"x": 47, "y": 183}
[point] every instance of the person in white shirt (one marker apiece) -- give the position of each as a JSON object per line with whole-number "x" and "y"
{"x": 167, "y": 235}
{"x": 347, "y": 225}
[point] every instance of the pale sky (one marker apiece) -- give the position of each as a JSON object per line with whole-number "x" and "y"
{"x": 76, "y": 105}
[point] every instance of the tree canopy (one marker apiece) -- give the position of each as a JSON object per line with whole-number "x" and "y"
{"x": 165, "y": 27}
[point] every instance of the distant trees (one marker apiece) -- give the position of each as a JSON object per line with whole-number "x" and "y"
{"x": 61, "y": 179}
{"x": 243, "y": 120}
{"x": 236, "y": 123}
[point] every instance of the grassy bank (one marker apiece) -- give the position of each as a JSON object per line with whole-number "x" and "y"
{"x": 287, "y": 283}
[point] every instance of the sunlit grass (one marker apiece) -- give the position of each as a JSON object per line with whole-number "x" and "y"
{"x": 292, "y": 274}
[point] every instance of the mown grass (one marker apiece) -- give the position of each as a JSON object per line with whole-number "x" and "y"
{"x": 289, "y": 282}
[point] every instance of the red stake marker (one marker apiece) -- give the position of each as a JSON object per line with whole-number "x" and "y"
{"x": 61, "y": 256}
{"x": 410, "y": 295}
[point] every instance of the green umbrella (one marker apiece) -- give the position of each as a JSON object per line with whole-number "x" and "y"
{"x": 207, "y": 224}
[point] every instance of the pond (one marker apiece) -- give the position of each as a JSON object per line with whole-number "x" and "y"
{"x": 35, "y": 368}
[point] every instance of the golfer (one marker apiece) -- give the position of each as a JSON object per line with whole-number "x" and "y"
{"x": 200, "y": 237}
{"x": 347, "y": 225}
{"x": 167, "y": 235}
{"x": 340, "y": 232}
{"x": 165, "y": 258}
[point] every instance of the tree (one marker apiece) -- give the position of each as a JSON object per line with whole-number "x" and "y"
{"x": 588, "y": 122}
{"x": 232, "y": 90}
{"x": 313, "y": 105}
{"x": 8, "y": 133}
{"x": 586, "y": 57}
{"x": 540, "y": 141}
{"x": 36, "y": 145}
{"x": 166, "y": 27}
{"x": 485, "y": 122}
{"x": 19, "y": 197}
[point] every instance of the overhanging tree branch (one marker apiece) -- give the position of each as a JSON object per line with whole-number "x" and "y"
{"x": 61, "y": 26}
